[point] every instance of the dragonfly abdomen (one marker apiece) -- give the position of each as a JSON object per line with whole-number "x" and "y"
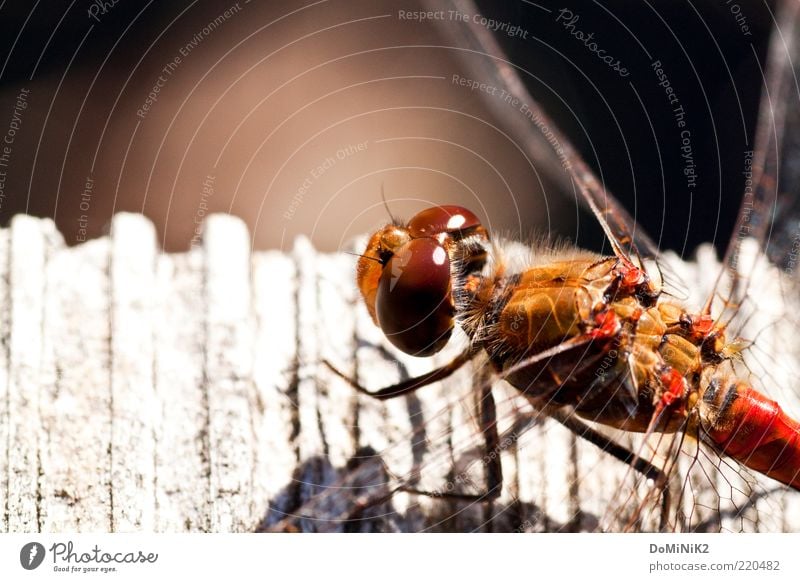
{"x": 746, "y": 425}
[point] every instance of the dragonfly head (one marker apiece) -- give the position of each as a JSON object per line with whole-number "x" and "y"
{"x": 405, "y": 276}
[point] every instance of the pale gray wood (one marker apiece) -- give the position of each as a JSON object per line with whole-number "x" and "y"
{"x": 5, "y": 301}
{"x": 183, "y": 501}
{"x": 133, "y": 397}
{"x": 30, "y": 241}
{"x": 75, "y": 490}
{"x": 313, "y": 471}
{"x": 143, "y": 391}
{"x": 275, "y": 373}
{"x": 230, "y": 390}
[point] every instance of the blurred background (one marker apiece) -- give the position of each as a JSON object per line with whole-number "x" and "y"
{"x": 294, "y": 114}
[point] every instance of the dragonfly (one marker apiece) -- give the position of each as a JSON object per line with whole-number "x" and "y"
{"x": 672, "y": 418}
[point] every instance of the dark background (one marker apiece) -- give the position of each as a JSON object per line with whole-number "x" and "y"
{"x": 87, "y": 79}
{"x": 715, "y": 70}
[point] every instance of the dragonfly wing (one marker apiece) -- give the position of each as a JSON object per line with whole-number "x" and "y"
{"x": 770, "y": 207}
{"x": 769, "y": 233}
{"x": 758, "y": 295}
{"x": 541, "y": 140}
{"x": 768, "y": 225}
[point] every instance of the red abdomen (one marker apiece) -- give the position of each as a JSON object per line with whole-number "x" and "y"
{"x": 754, "y": 430}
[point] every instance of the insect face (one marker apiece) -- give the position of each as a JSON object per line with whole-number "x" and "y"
{"x": 406, "y": 277}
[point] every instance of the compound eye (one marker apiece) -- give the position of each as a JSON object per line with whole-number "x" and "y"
{"x": 413, "y": 303}
{"x": 433, "y": 221}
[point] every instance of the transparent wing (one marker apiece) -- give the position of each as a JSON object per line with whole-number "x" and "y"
{"x": 757, "y": 295}
{"x": 483, "y": 58}
{"x": 759, "y": 303}
{"x": 770, "y": 210}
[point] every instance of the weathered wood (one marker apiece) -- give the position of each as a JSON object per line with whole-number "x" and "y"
{"x": 275, "y": 373}
{"x": 30, "y": 242}
{"x": 230, "y": 393}
{"x": 182, "y": 468}
{"x": 5, "y": 300}
{"x": 133, "y": 397}
{"x": 143, "y": 391}
{"x": 75, "y": 399}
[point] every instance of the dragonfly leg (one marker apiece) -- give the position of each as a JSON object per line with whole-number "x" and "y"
{"x": 493, "y": 471}
{"x": 607, "y": 445}
{"x": 488, "y": 421}
{"x": 491, "y": 458}
{"x": 411, "y": 384}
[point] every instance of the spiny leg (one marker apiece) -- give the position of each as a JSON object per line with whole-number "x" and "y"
{"x": 491, "y": 458}
{"x": 609, "y": 446}
{"x": 411, "y": 384}
{"x": 488, "y": 421}
{"x": 581, "y": 429}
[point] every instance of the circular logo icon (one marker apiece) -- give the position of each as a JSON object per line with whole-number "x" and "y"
{"x": 31, "y": 555}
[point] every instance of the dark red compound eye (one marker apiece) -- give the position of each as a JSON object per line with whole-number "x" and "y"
{"x": 438, "y": 219}
{"x": 413, "y": 301}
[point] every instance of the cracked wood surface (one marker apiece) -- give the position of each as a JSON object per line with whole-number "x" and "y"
{"x": 143, "y": 391}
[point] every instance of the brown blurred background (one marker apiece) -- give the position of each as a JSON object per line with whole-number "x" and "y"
{"x": 292, "y": 115}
